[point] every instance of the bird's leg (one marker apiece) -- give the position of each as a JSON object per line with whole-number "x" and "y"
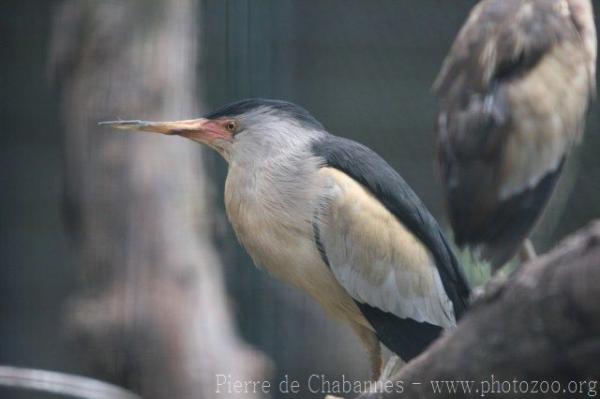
{"x": 527, "y": 252}
{"x": 371, "y": 343}
{"x": 376, "y": 362}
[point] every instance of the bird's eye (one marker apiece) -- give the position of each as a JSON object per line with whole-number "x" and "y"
{"x": 231, "y": 126}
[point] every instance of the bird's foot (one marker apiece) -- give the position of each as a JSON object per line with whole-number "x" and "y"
{"x": 527, "y": 252}
{"x": 392, "y": 367}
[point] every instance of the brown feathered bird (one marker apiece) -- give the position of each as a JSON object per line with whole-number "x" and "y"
{"x": 514, "y": 92}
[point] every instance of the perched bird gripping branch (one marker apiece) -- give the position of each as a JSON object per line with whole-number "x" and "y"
{"x": 514, "y": 91}
{"x": 332, "y": 218}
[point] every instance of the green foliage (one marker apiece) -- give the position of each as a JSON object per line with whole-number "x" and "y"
{"x": 479, "y": 272}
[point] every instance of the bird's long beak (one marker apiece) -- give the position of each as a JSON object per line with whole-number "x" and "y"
{"x": 203, "y": 130}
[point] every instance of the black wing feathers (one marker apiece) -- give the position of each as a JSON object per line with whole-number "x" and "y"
{"x": 514, "y": 219}
{"x": 405, "y": 337}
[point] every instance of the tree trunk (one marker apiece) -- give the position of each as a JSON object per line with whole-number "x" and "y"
{"x": 542, "y": 325}
{"x": 152, "y": 313}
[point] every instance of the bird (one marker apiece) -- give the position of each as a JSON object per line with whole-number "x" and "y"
{"x": 514, "y": 92}
{"x": 332, "y": 218}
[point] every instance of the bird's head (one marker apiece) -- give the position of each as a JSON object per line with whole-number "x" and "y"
{"x": 253, "y": 128}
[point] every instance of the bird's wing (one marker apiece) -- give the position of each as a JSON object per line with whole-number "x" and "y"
{"x": 515, "y": 60}
{"x": 375, "y": 258}
{"x": 384, "y": 247}
{"x": 513, "y": 93}
{"x": 505, "y": 39}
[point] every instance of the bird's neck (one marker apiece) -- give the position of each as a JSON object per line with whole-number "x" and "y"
{"x": 278, "y": 189}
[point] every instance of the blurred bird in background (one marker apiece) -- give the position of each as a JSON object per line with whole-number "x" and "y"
{"x": 513, "y": 91}
{"x": 332, "y": 218}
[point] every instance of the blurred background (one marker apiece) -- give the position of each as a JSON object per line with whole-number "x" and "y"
{"x": 117, "y": 261}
